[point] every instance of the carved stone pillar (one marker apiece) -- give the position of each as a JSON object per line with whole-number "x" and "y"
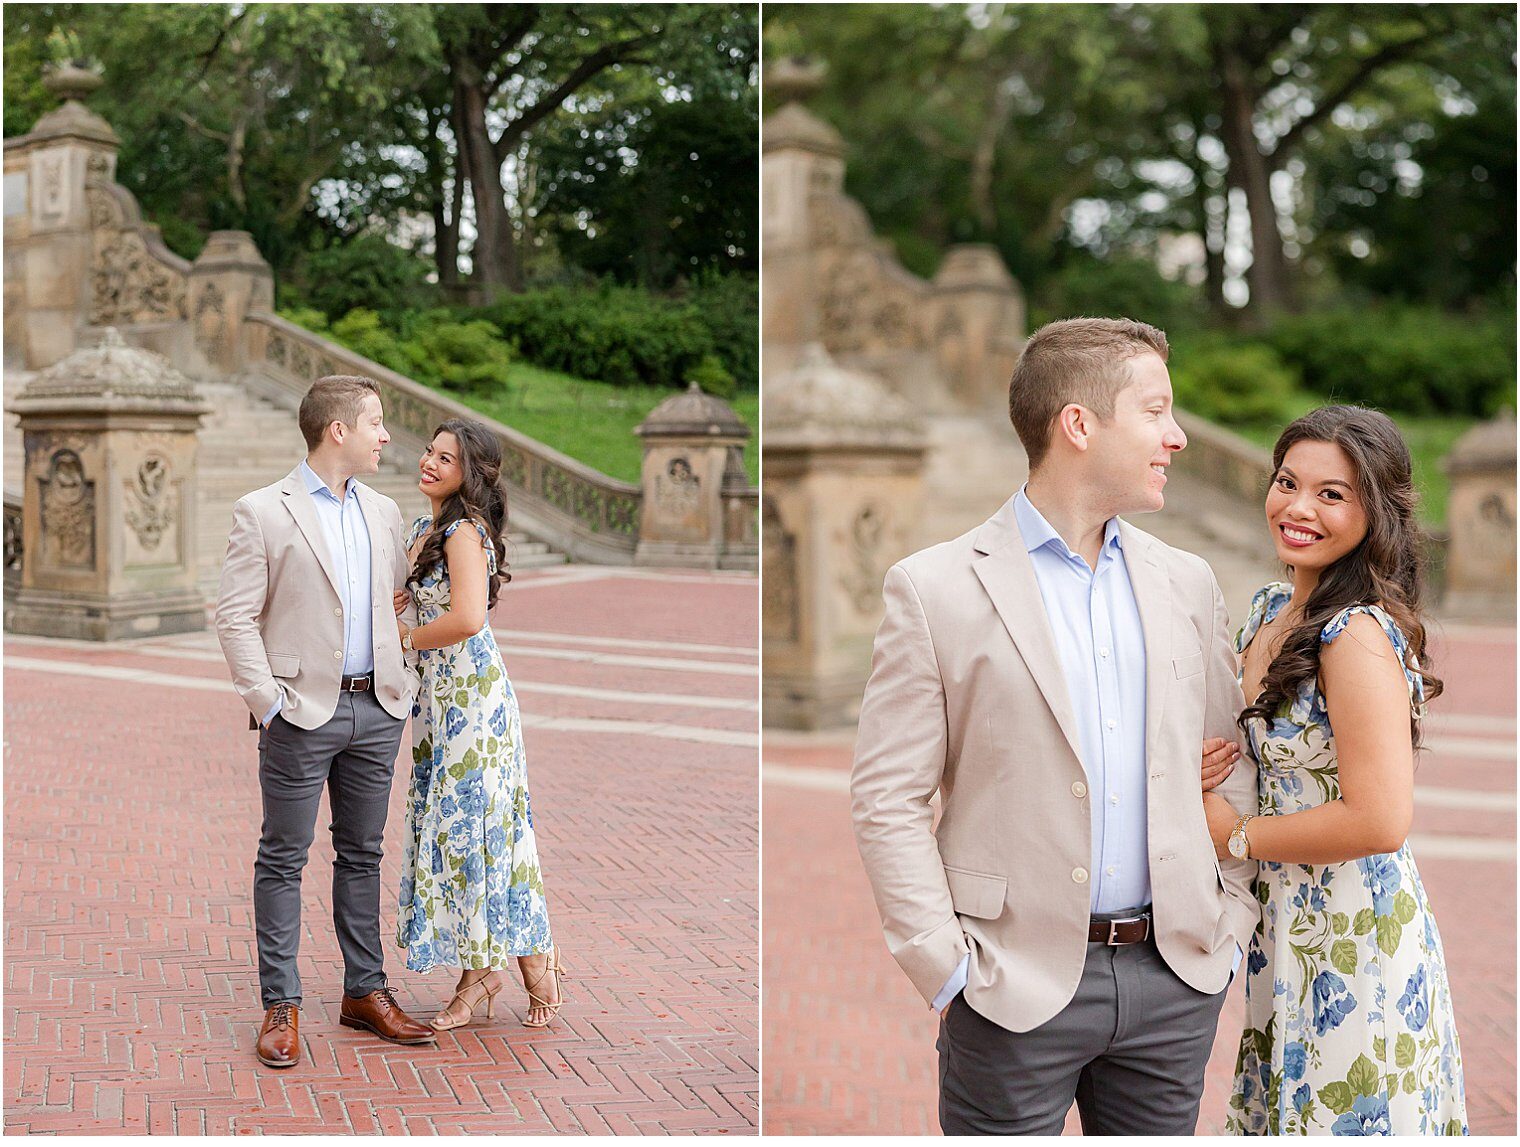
{"x": 1480, "y": 511}
{"x": 68, "y": 147}
{"x": 841, "y": 496}
{"x": 978, "y": 324}
{"x": 108, "y": 506}
{"x": 687, "y": 441}
{"x": 228, "y": 279}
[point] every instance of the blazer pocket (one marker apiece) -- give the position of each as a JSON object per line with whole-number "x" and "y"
{"x": 1189, "y": 666}
{"x": 284, "y": 664}
{"x": 976, "y": 893}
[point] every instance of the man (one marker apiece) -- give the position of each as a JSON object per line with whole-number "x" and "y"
{"x": 1052, "y": 675}
{"x": 305, "y": 618}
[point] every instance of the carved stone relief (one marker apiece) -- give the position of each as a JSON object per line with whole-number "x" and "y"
{"x": 861, "y": 571}
{"x": 779, "y": 607}
{"x": 67, "y": 499}
{"x": 151, "y": 502}
{"x": 678, "y": 490}
{"x": 130, "y": 285}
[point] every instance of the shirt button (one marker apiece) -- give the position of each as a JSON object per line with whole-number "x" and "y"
{"x": 1110, "y": 870}
{"x": 1079, "y": 875}
{"x": 338, "y": 653}
{"x": 1110, "y": 724}
{"x": 1078, "y": 789}
{"x": 1113, "y": 798}
{"x": 1103, "y": 653}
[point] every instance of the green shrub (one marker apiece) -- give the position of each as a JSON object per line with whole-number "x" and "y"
{"x": 729, "y": 306}
{"x": 1233, "y": 381}
{"x": 619, "y": 335}
{"x": 1118, "y": 288}
{"x": 308, "y": 317}
{"x": 711, "y": 377}
{"x": 367, "y": 271}
{"x": 1413, "y": 360}
{"x": 361, "y": 330}
{"x": 460, "y": 356}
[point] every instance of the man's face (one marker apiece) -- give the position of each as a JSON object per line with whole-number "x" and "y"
{"x": 363, "y": 441}
{"x": 1127, "y": 455}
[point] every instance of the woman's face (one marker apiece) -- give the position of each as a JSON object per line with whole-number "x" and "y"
{"x": 1314, "y": 508}
{"x": 441, "y": 470}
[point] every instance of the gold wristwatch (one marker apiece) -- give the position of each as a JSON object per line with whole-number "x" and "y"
{"x": 406, "y": 642}
{"x": 1240, "y": 847}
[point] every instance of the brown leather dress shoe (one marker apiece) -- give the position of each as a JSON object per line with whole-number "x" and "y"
{"x": 279, "y": 1042}
{"x": 380, "y": 1013}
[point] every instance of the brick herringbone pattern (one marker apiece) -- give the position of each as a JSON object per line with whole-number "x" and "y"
{"x": 849, "y": 1045}
{"x": 132, "y": 814}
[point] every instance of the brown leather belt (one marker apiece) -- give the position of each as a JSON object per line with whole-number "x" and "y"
{"x": 1134, "y": 930}
{"x": 356, "y": 684}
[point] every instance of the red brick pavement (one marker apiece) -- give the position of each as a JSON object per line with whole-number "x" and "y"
{"x": 131, "y": 997}
{"x": 849, "y": 1045}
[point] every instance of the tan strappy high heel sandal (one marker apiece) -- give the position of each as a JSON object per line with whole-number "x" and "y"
{"x": 471, "y": 995}
{"x": 552, "y": 964}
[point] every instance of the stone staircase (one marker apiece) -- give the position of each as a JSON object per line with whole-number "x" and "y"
{"x": 248, "y": 441}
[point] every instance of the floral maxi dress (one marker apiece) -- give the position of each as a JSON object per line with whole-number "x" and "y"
{"x": 1349, "y": 1027}
{"x": 472, "y": 895}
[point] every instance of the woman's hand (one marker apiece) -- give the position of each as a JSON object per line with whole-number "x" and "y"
{"x": 401, "y": 599}
{"x": 1219, "y": 757}
{"x": 1221, "y": 817}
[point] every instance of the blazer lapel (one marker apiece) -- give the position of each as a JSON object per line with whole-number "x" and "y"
{"x": 298, "y": 501}
{"x": 1153, "y": 597}
{"x": 1007, "y": 574}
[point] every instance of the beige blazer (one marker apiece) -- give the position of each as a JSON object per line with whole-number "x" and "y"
{"x": 278, "y": 614}
{"x": 967, "y": 699}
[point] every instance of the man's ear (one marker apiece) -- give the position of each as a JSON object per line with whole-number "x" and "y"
{"x": 336, "y": 429}
{"x": 1074, "y": 424}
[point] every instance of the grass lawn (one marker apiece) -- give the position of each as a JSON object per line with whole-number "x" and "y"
{"x": 590, "y": 421}
{"x": 1430, "y": 439}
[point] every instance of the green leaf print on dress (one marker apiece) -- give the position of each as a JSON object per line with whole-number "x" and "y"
{"x": 1349, "y": 1027}
{"x": 472, "y": 893}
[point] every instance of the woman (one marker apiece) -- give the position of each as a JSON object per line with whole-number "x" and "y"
{"x": 472, "y": 895}
{"x": 1349, "y": 1024}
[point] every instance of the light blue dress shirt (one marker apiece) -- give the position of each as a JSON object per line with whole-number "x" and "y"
{"x": 347, "y": 536}
{"x": 1098, "y": 636}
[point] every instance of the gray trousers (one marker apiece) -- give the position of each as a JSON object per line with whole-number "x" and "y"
{"x": 1130, "y": 1049}
{"x": 354, "y": 755}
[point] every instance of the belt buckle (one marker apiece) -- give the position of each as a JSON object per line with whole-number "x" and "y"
{"x": 1113, "y": 933}
{"x": 357, "y": 684}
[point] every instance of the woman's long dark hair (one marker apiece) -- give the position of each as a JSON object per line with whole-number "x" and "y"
{"x": 1384, "y": 569}
{"x": 479, "y": 496}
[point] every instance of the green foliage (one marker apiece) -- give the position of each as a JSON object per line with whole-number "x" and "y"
{"x": 1409, "y": 359}
{"x": 729, "y": 306}
{"x": 433, "y": 347}
{"x": 1120, "y": 287}
{"x": 618, "y": 335}
{"x": 367, "y": 271}
{"x": 711, "y": 377}
{"x": 1231, "y": 381}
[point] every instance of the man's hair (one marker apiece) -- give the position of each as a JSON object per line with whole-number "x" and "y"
{"x": 1082, "y": 361}
{"x": 335, "y": 398}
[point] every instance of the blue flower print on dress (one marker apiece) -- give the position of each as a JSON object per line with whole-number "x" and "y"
{"x": 1368, "y": 1116}
{"x": 472, "y": 888}
{"x": 1381, "y": 875}
{"x": 1295, "y": 1059}
{"x": 1358, "y": 1023}
{"x": 1332, "y": 1002}
{"x": 1412, "y": 1005}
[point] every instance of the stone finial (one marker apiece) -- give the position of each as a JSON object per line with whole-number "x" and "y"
{"x": 794, "y": 78}
{"x": 796, "y": 128}
{"x": 110, "y": 374}
{"x": 974, "y": 266}
{"x": 69, "y": 81}
{"x": 71, "y": 119}
{"x": 1486, "y": 446}
{"x": 692, "y": 414}
{"x": 821, "y": 404}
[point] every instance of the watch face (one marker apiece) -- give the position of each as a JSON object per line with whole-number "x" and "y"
{"x": 1238, "y": 846}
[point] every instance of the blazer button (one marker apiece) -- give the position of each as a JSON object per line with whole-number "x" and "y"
{"x": 338, "y": 612}
{"x": 1078, "y": 789}
{"x": 338, "y": 653}
{"x": 1079, "y": 875}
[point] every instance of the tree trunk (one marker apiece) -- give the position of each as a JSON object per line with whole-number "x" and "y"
{"x": 445, "y": 215}
{"x": 495, "y": 251}
{"x": 1268, "y": 274}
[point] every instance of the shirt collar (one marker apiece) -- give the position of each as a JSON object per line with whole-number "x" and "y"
{"x": 1037, "y": 532}
{"x": 315, "y": 485}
